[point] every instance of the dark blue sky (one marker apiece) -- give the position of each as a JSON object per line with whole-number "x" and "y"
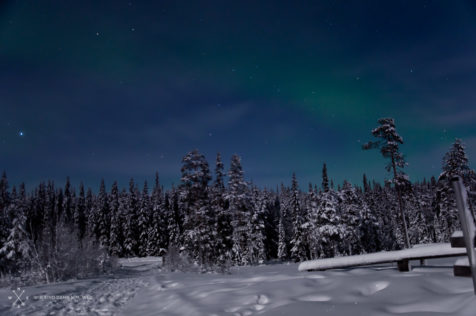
{"x": 120, "y": 89}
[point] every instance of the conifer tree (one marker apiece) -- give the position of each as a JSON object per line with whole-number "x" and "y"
{"x": 158, "y": 229}
{"x": 329, "y": 232}
{"x": 388, "y": 144}
{"x": 174, "y": 219}
{"x": 80, "y": 213}
{"x": 15, "y": 254}
{"x": 67, "y": 210}
{"x": 282, "y": 247}
{"x": 131, "y": 233}
{"x": 102, "y": 216}
{"x": 455, "y": 163}
{"x": 325, "y": 179}
{"x": 198, "y": 232}
{"x": 50, "y": 216}
{"x": 4, "y": 201}
{"x": 143, "y": 221}
{"x": 223, "y": 219}
{"x": 239, "y": 210}
{"x": 286, "y": 219}
{"x": 256, "y": 228}
{"x": 89, "y": 206}
{"x": 299, "y": 247}
{"x": 116, "y": 237}
{"x": 271, "y": 224}
{"x": 352, "y": 209}
{"x": 311, "y": 227}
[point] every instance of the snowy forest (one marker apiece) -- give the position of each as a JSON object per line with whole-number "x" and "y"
{"x": 218, "y": 219}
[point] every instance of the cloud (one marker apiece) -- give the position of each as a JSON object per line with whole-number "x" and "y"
{"x": 464, "y": 116}
{"x": 193, "y": 125}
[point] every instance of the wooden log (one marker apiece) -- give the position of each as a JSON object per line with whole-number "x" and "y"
{"x": 457, "y": 240}
{"x": 462, "y": 268}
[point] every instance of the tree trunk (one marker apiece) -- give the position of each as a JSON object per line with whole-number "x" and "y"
{"x": 400, "y": 204}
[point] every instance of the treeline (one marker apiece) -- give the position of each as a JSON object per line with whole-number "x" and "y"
{"x": 221, "y": 221}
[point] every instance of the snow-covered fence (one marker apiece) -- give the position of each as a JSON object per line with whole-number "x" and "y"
{"x": 468, "y": 227}
{"x": 402, "y": 257}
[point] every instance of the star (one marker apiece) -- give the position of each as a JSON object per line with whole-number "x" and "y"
{"x": 20, "y": 133}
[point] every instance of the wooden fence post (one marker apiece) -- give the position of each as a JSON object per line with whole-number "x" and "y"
{"x": 467, "y": 224}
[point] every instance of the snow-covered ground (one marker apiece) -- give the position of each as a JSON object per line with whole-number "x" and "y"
{"x": 140, "y": 288}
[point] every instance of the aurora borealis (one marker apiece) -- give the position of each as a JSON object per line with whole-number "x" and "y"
{"x": 120, "y": 89}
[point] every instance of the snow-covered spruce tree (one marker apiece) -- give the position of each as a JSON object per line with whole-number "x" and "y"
{"x": 418, "y": 207}
{"x": 223, "y": 218}
{"x": 271, "y": 225}
{"x": 4, "y": 201}
{"x": 256, "y": 237}
{"x": 50, "y": 220}
{"x": 102, "y": 217}
{"x": 131, "y": 233}
{"x": 35, "y": 222}
{"x": 425, "y": 199}
{"x": 352, "y": 209}
{"x": 366, "y": 184}
{"x": 325, "y": 179}
{"x": 329, "y": 232}
{"x": 122, "y": 218}
{"x": 285, "y": 218}
{"x": 388, "y": 142}
{"x": 116, "y": 236}
{"x": 16, "y": 252}
{"x": 59, "y": 205}
{"x": 80, "y": 219}
{"x": 198, "y": 233}
{"x": 455, "y": 163}
{"x": 282, "y": 247}
{"x": 163, "y": 217}
{"x": 143, "y": 221}
{"x": 239, "y": 209}
{"x": 370, "y": 225}
{"x": 299, "y": 246}
{"x": 175, "y": 218}
{"x": 90, "y": 198}
{"x": 157, "y": 232}
{"x": 66, "y": 214}
{"x": 311, "y": 227}
{"x": 45, "y": 247}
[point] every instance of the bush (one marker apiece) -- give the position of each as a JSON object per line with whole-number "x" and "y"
{"x": 178, "y": 260}
{"x": 65, "y": 257}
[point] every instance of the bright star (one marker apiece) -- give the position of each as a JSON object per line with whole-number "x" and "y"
{"x": 20, "y": 133}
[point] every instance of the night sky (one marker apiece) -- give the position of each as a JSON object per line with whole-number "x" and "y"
{"x": 120, "y": 89}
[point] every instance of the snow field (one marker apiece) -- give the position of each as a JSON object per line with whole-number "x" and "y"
{"x": 280, "y": 289}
